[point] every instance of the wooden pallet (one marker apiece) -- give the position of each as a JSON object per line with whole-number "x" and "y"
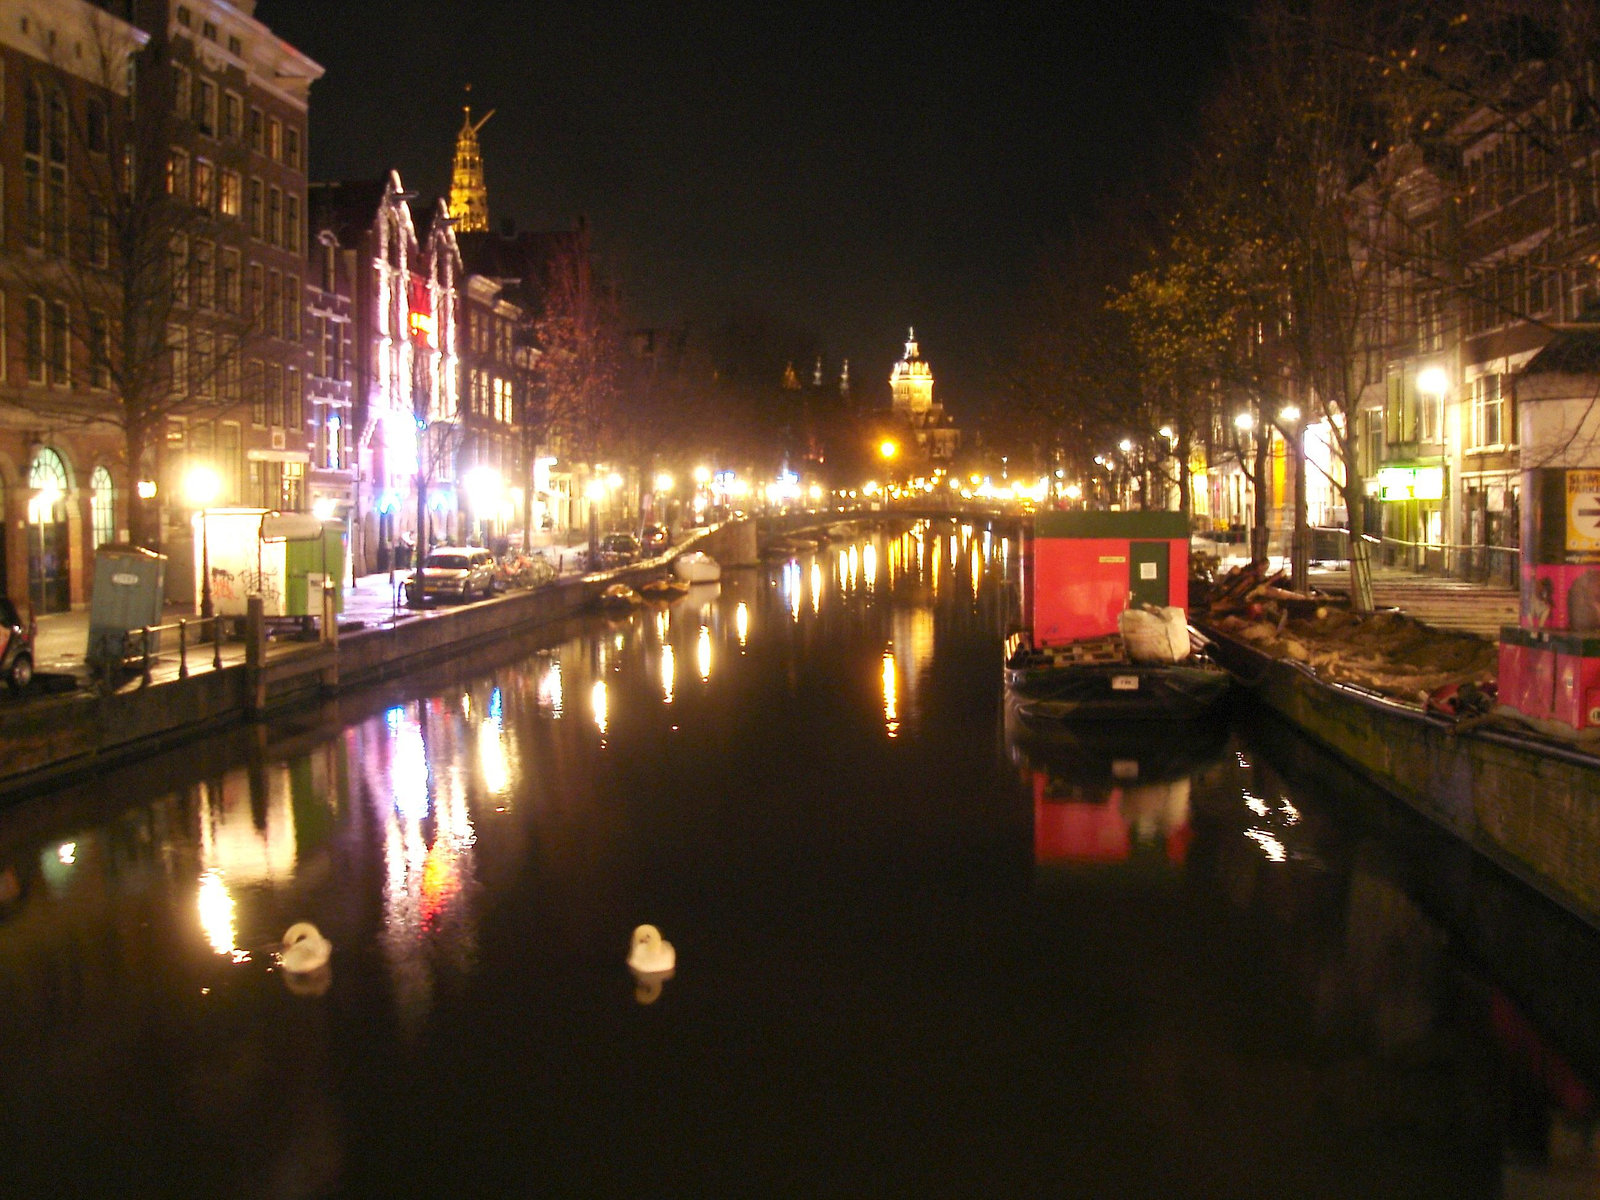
{"x": 1095, "y": 650}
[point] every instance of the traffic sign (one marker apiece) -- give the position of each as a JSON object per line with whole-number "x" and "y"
{"x": 1583, "y": 511}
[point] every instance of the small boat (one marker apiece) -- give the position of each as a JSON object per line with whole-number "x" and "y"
{"x": 697, "y": 567}
{"x": 664, "y": 588}
{"x": 1047, "y": 686}
{"x": 1107, "y": 636}
{"x": 618, "y": 595}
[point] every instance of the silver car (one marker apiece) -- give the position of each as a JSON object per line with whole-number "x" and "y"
{"x": 452, "y": 573}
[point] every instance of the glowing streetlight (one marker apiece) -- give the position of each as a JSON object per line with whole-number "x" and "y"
{"x": 1289, "y": 413}
{"x": 1125, "y": 445}
{"x": 1432, "y": 381}
{"x": 1244, "y": 422}
{"x": 664, "y": 482}
{"x": 702, "y": 475}
{"x": 1073, "y": 491}
{"x": 887, "y": 449}
{"x": 201, "y": 486}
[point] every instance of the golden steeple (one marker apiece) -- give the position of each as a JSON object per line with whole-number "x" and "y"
{"x": 469, "y": 198}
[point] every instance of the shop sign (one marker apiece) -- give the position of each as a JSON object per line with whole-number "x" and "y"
{"x": 1411, "y": 483}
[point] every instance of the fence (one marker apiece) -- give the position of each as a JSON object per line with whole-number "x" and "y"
{"x": 1478, "y": 564}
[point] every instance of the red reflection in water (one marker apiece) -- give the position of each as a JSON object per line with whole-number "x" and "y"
{"x": 1071, "y": 829}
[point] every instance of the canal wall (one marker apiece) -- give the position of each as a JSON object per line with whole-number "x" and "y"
{"x": 52, "y": 739}
{"x": 1530, "y": 806}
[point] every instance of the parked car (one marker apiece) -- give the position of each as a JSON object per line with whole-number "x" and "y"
{"x": 452, "y": 573}
{"x": 16, "y": 647}
{"x": 618, "y": 548}
{"x": 655, "y": 539}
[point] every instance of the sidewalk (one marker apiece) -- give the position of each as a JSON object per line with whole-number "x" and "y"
{"x": 374, "y": 601}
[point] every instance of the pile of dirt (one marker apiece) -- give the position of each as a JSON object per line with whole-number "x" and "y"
{"x": 1387, "y": 652}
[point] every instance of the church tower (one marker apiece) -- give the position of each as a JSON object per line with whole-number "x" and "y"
{"x": 469, "y": 198}
{"x": 911, "y": 384}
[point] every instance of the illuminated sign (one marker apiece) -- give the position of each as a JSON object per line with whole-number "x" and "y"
{"x": 1411, "y": 483}
{"x": 422, "y": 318}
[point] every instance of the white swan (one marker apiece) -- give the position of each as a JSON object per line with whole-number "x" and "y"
{"x": 651, "y": 954}
{"x": 304, "y": 949}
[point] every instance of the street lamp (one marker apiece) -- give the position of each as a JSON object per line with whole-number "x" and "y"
{"x": 484, "y": 488}
{"x": 201, "y": 487}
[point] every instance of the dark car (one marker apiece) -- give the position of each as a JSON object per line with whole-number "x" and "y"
{"x": 618, "y": 548}
{"x": 452, "y": 573}
{"x": 16, "y": 646}
{"x": 655, "y": 539}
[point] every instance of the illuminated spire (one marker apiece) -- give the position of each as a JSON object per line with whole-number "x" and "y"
{"x": 469, "y": 198}
{"x": 911, "y": 383}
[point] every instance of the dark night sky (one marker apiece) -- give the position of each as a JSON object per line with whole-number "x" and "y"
{"x": 850, "y": 168}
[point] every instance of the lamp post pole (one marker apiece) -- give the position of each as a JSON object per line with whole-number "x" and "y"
{"x": 206, "y": 609}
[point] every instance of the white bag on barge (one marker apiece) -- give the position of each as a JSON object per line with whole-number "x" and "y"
{"x": 1153, "y": 634}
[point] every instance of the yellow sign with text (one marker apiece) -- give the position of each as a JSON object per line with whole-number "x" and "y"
{"x": 1583, "y": 511}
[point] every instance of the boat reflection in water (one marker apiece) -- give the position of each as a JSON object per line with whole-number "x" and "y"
{"x": 1107, "y": 797}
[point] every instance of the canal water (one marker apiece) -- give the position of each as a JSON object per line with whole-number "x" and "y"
{"x": 913, "y": 957}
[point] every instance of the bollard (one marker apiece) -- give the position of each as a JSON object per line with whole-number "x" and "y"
{"x": 144, "y": 680}
{"x": 216, "y": 643}
{"x": 330, "y": 614}
{"x": 255, "y": 651}
{"x": 183, "y": 649}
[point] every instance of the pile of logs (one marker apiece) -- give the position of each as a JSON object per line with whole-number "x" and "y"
{"x": 1248, "y": 590}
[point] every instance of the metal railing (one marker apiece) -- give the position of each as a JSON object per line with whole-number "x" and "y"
{"x": 143, "y": 645}
{"x": 1478, "y": 563}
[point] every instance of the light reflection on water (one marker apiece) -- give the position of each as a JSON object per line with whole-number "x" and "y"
{"x": 478, "y": 867}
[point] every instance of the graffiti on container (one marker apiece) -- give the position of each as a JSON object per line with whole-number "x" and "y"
{"x": 235, "y": 586}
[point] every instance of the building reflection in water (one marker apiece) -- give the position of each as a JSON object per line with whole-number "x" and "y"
{"x": 816, "y": 587}
{"x": 217, "y": 916}
{"x": 494, "y": 754}
{"x": 789, "y": 586}
{"x": 741, "y": 623}
{"x": 891, "y": 706}
{"x": 549, "y": 695}
{"x": 597, "y": 705}
{"x": 669, "y": 671}
{"x": 427, "y": 839}
{"x": 703, "y": 653}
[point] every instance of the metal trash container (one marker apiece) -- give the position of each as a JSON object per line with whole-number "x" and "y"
{"x": 128, "y": 590}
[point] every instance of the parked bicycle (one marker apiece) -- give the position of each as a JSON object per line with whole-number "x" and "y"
{"x": 524, "y": 571}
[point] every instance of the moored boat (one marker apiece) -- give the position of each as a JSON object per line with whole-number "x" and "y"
{"x": 1106, "y": 636}
{"x": 664, "y": 588}
{"x": 1042, "y": 686}
{"x": 697, "y": 567}
{"x": 618, "y": 596}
